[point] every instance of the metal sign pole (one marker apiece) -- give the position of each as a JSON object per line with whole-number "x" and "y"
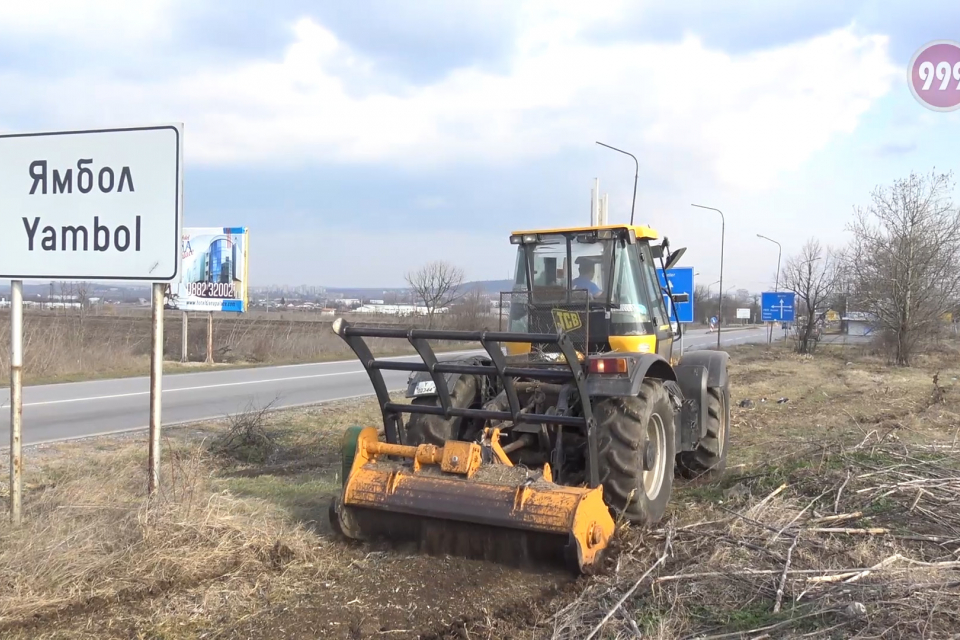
{"x": 156, "y": 371}
{"x": 16, "y": 397}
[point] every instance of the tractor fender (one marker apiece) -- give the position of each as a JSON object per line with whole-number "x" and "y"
{"x": 715, "y": 363}
{"x": 696, "y": 372}
{"x": 643, "y": 365}
{"x": 420, "y": 383}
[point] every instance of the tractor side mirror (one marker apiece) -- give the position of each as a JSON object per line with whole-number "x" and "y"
{"x": 656, "y": 251}
{"x": 674, "y": 258}
{"x": 680, "y": 297}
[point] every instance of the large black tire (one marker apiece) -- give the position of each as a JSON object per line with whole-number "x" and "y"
{"x": 625, "y": 427}
{"x": 708, "y": 460}
{"x": 423, "y": 428}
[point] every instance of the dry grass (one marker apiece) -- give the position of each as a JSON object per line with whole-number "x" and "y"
{"x": 846, "y": 494}
{"x": 864, "y": 543}
{"x": 91, "y": 540}
{"x": 64, "y": 346}
{"x": 229, "y": 549}
{"x": 837, "y": 519}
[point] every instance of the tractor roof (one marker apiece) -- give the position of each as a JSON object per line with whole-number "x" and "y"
{"x": 641, "y": 231}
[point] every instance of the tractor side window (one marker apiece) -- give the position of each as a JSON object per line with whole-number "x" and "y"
{"x": 655, "y": 295}
{"x": 630, "y": 292}
{"x": 520, "y": 279}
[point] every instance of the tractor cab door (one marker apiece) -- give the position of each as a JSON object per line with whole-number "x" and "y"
{"x": 658, "y": 307}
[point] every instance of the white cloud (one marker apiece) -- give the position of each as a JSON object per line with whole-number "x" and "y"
{"x": 748, "y": 119}
{"x": 92, "y": 23}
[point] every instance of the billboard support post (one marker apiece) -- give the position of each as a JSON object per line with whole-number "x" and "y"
{"x": 156, "y": 372}
{"x": 183, "y": 337}
{"x": 16, "y": 397}
{"x": 209, "y": 338}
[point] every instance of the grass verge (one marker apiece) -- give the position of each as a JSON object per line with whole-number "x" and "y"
{"x": 837, "y": 519}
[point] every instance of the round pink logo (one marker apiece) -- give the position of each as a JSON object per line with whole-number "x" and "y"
{"x": 934, "y": 75}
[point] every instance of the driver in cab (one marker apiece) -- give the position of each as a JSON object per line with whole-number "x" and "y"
{"x": 585, "y": 279}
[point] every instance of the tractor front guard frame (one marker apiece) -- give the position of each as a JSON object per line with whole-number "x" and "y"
{"x": 491, "y": 343}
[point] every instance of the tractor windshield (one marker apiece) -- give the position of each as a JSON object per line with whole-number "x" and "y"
{"x": 566, "y": 268}
{"x": 548, "y": 262}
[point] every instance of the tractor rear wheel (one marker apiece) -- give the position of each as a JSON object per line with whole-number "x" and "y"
{"x": 709, "y": 459}
{"x": 424, "y": 428}
{"x": 636, "y": 444}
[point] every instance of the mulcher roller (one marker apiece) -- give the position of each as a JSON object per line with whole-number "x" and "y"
{"x": 446, "y": 500}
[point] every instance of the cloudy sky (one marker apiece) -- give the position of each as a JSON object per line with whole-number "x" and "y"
{"x": 361, "y": 139}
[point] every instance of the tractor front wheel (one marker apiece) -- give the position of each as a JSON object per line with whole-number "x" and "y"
{"x": 424, "y": 428}
{"x": 636, "y": 442}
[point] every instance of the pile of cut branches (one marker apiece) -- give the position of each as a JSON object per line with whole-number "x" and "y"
{"x": 851, "y": 542}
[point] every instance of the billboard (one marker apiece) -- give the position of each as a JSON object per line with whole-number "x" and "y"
{"x": 214, "y": 276}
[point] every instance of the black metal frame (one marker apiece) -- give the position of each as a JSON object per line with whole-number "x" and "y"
{"x": 491, "y": 341}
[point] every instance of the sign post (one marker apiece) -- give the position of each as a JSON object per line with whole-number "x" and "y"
{"x": 92, "y": 205}
{"x": 156, "y": 372}
{"x": 16, "y": 396}
{"x": 778, "y": 306}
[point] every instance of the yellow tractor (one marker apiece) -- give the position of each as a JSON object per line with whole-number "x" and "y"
{"x": 575, "y": 414}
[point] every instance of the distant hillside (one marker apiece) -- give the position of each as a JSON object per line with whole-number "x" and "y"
{"x": 489, "y": 286}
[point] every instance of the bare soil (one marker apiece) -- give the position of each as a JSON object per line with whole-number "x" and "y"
{"x": 838, "y": 518}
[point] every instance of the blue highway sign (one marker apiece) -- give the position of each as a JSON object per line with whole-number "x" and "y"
{"x": 681, "y": 281}
{"x": 778, "y": 306}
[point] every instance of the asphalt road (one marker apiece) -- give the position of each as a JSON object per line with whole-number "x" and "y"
{"x": 82, "y": 409}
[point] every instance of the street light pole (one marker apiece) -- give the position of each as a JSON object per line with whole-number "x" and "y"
{"x": 723, "y": 224}
{"x": 635, "y": 175}
{"x": 776, "y": 287}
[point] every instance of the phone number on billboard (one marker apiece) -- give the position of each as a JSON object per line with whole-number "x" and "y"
{"x": 211, "y": 289}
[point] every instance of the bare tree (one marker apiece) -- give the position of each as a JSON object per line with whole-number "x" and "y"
{"x": 905, "y": 259}
{"x": 703, "y": 302}
{"x": 83, "y": 297}
{"x": 812, "y": 275}
{"x": 472, "y": 311}
{"x": 437, "y": 285}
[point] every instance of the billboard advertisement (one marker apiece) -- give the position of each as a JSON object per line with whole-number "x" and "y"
{"x": 214, "y": 276}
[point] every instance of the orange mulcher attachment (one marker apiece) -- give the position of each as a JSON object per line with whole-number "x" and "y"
{"x": 448, "y": 501}
{"x": 467, "y": 498}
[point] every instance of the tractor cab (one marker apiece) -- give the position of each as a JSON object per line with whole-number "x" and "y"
{"x": 599, "y": 284}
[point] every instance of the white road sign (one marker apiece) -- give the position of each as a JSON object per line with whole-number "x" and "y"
{"x": 92, "y": 205}
{"x": 743, "y": 314}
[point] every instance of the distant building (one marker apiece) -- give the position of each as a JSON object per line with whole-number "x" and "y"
{"x": 396, "y": 309}
{"x": 859, "y": 323}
